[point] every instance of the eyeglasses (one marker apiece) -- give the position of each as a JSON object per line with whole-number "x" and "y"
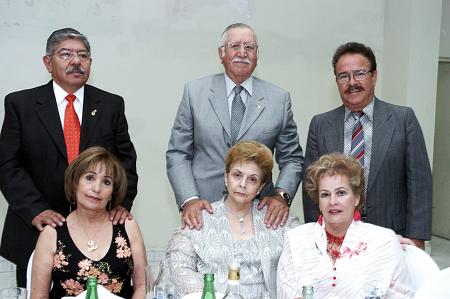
{"x": 248, "y": 47}
{"x": 358, "y": 75}
{"x": 68, "y": 55}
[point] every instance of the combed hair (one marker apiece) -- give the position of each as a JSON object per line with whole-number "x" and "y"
{"x": 88, "y": 160}
{"x": 253, "y": 151}
{"x": 335, "y": 164}
{"x": 224, "y": 36}
{"x": 61, "y": 35}
{"x": 354, "y": 48}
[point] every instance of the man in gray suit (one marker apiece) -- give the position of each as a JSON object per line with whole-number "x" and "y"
{"x": 219, "y": 110}
{"x": 387, "y": 140}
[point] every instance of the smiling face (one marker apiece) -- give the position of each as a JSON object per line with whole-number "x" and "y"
{"x": 337, "y": 203}
{"x": 94, "y": 189}
{"x": 356, "y": 94}
{"x": 243, "y": 182}
{"x": 237, "y": 55}
{"x": 70, "y": 74}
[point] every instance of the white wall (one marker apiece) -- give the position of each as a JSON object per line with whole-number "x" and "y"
{"x": 146, "y": 51}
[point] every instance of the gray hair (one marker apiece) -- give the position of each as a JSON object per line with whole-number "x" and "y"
{"x": 224, "y": 36}
{"x": 61, "y": 35}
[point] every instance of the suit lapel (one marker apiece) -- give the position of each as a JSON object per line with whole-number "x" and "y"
{"x": 49, "y": 116}
{"x": 383, "y": 129}
{"x": 219, "y": 102}
{"x": 255, "y": 105}
{"x": 334, "y": 132}
{"x": 92, "y": 111}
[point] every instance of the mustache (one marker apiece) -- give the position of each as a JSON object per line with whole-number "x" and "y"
{"x": 75, "y": 69}
{"x": 355, "y": 87}
{"x": 241, "y": 60}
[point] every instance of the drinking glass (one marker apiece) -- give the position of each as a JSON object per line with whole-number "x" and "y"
{"x": 13, "y": 293}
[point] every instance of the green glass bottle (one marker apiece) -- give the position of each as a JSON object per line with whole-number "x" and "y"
{"x": 208, "y": 287}
{"x": 91, "y": 288}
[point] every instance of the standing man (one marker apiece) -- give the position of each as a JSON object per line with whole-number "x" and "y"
{"x": 219, "y": 110}
{"x": 44, "y": 129}
{"x": 385, "y": 138}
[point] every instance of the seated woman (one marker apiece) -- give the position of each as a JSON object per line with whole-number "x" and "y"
{"x": 88, "y": 244}
{"x": 340, "y": 256}
{"x": 234, "y": 232}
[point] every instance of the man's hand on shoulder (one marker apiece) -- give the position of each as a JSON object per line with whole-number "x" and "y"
{"x": 119, "y": 214}
{"x": 48, "y": 217}
{"x": 413, "y": 242}
{"x": 191, "y": 214}
{"x": 277, "y": 210}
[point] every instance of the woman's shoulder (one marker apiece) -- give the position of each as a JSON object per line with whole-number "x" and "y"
{"x": 374, "y": 231}
{"x": 302, "y": 231}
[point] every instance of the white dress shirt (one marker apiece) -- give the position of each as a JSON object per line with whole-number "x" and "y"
{"x": 61, "y": 102}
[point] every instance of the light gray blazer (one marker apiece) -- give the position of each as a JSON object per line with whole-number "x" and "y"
{"x": 191, "y": 253}
{"x": 200, "y": 137}
{"x": 399, "y": 189}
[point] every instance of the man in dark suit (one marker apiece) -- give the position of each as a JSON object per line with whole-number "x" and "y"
{"x": 33, "y": 152}
{"x": 205, "y": 128}
{"x": 387, "y": 140}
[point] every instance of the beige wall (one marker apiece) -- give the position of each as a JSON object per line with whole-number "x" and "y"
{"x": 146, "y": 50}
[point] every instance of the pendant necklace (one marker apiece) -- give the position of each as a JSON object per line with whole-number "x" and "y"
{"x": 241, "y": 218}
{"x": 91, "y": 243}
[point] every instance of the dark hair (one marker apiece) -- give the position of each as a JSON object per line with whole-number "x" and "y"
{"x": 251, "y": 151}
{"x": 335, "y": 164}
{"x": 88, "y": 160}
{"x": 354, "y": 48}
{"x": 61, "y": 35}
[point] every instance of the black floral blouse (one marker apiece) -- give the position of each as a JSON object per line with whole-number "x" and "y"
{"x": 71, "y": 268}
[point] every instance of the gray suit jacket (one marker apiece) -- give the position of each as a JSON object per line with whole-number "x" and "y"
{"x": 191, "y": 253}
{"x": 200, "y": 137}
{"x": 399, "y": 189}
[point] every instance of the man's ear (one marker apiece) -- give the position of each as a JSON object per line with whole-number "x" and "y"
{"x": 48, "y": 63}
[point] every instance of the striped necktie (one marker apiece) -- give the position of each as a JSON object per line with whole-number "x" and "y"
{"x": 237, "y": 113}
{"x": 357, "y": 149}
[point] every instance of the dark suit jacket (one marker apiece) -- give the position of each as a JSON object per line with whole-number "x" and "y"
{"x": 399, "y": 189}
{"x": 33, "y": 158}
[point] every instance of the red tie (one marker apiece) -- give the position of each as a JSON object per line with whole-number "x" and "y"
{"x": 71, "y": 129}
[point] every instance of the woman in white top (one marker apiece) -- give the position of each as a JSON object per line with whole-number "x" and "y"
{"x": 339, "y": 255}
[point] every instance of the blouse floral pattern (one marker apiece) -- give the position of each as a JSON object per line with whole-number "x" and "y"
{"x": 71, "y": 269}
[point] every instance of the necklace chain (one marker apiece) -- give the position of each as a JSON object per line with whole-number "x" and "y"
{"x": 240, "y": 218}
{"x": 92, "y": 245}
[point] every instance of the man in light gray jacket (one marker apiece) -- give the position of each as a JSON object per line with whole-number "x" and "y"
{"x": 219, "y": 110}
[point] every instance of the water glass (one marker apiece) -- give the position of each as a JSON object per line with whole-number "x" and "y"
{"x": 13, "y": 293}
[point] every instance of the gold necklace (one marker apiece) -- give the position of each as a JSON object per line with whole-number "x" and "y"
{"x": 91, "y": 243}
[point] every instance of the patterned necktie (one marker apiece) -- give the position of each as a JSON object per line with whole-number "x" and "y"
{"x": 71, "y": 129}
{"x": 357, "y": 149}
{"x": 237, "y": 113}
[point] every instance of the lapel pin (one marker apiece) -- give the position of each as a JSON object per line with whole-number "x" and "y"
{"x": 93, "y": 112}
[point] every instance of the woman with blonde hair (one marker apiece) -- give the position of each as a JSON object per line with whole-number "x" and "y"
{"x": 339, "y": 255}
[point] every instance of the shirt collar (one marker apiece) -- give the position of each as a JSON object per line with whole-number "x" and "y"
{"x": 247, "y": 84}
{"x": 368, "y": 111}
{"x": 60, "y": 94}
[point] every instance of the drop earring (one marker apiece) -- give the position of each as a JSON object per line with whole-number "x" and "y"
{"x": 109, "y": 205}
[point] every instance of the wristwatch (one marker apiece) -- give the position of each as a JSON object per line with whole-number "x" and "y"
{"x": 286, "y": 197}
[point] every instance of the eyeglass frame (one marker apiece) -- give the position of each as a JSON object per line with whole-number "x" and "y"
{"x": 78, "y": 54}
{"x": 354, "y": 73}
{"x": 232, "y": 46}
